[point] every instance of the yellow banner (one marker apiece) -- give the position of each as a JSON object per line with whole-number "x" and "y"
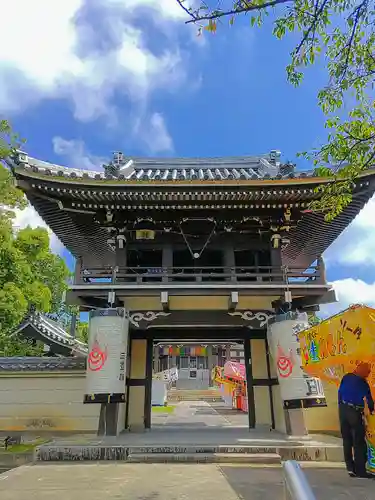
{"x": 336, "y": 346}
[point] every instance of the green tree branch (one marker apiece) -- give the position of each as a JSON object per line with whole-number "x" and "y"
{"x": 341, "y": 31}
{"x": 29, "y": 272}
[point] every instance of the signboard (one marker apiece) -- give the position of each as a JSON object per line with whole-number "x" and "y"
{"x": 144, "y": 234}
{"x": 297, "y": 389}
{"x": 336, "y": 346}
{"x": 106, "y": 360}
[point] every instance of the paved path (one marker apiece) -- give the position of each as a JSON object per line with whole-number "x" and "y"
{"x": 171, "y": 482}
{"x": 175, "y": 435}
{"x": 198, "y": 414}
{"x": 115, "y": 481}
{"x": 327, "y": 483}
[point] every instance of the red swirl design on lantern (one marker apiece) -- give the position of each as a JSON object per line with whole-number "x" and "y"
{"x": 97, "y": 357}
{"x": 284, "y": 363}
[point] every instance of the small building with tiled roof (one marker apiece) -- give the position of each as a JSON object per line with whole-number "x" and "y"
{"x": 39, "y": 327}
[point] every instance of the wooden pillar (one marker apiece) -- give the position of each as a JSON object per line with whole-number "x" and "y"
{"x": 229, "y": 261}
{"x": 78, "y": 268}
{"x": 227, "y": 353}
{"x": 210, "y": 363}
{"x": 121, "y": 256}
{"x": 276, "y": 263}
{"x": 270, "y": 390}
{"x": 139, "y": 385}
{"x": 322, "y": 277}
{"x": 249, "y": 383}
{"x": 156, "y": 358}
{"x": 108, "y": 419}
{"x": 148, "y": 386}
{"x": 167, "y": 261}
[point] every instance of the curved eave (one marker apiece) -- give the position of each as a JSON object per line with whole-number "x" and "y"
{"x": 40, "y": 328}
{"x": 124, "y": 195}
{"x": 313, "y": 234}
{"x": 82, "y": 236}
{"x": 76, "y": 230}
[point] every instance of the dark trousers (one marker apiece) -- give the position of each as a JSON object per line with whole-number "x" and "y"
{"x": 353, "y": 434}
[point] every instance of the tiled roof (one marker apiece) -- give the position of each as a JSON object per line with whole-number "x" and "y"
{"x": 169, "y": 169}
{"x": 53, "y": 333}
{"x": 33, "y": 364}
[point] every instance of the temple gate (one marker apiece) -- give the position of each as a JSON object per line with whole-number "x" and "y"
{"x": 193, "y": 250}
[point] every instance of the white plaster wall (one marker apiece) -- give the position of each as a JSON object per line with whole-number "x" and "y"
{"x": 48, "y": 402}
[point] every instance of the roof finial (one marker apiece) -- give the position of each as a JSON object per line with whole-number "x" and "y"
{"x": 274, "y": 156}
{"x": 118, "y": 158}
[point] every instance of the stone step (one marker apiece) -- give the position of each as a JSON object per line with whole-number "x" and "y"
{"x": 201, "y": 453}
{"x": 208, "y": 399}
{"x": 227, "y": 458}
{"x": 194, "y": 393}
{"x": 201, "y": 450}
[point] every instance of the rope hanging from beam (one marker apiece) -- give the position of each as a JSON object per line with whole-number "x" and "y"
{"x": 197, "y": 255}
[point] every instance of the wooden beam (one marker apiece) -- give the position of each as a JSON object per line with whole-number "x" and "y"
{"x": 164, "y": 299}
{"x": 233, "y": 301}
{"x": 249, "y": 384}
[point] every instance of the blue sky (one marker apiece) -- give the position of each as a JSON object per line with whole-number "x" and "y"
{"x": 104, "y": 75}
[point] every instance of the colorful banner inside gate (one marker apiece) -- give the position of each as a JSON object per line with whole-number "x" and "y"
{"x": 182, "y": 351}
{"x": 336, "y": 346}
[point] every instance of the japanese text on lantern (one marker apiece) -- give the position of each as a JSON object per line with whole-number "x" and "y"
{"x": 121, "y": 376}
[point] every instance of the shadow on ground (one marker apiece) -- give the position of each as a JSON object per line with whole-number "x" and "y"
{"x": 267, "y": 483}
{"x": 254, "y": 483}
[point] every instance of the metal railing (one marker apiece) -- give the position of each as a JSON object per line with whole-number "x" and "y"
{"x": 257, "y": 274}
{"x": 295, "y": 482}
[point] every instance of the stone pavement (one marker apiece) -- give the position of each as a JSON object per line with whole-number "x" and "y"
{"x": 133, "y": 482}
{"x": 191, "y": 414}
{"x": 209, "y": 436}
{"x": 196, "y": 429}
{"x": 266, "y": 483}
{"x": 171, "y": 482}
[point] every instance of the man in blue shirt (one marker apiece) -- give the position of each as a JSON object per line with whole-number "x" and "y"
{"x": 353, "y": 392}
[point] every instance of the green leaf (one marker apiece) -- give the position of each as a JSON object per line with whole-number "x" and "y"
{"x": 29, "y": 272}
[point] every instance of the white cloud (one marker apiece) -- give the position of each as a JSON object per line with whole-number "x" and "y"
{"x": 350, "y": 291}
{"x": 154, "y": 133}
{"x": 356, "y": 245}
{"x": 30, "y": 217}
{"x": 353, "y": 250}
{"x": 54, "y": 49}
{"x": 167, "y": 8}
{"x": 78, "y": 157}
{"x": 76, "y": 154}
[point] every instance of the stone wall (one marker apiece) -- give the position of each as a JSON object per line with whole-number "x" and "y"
{"x": 48, "y": 403}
